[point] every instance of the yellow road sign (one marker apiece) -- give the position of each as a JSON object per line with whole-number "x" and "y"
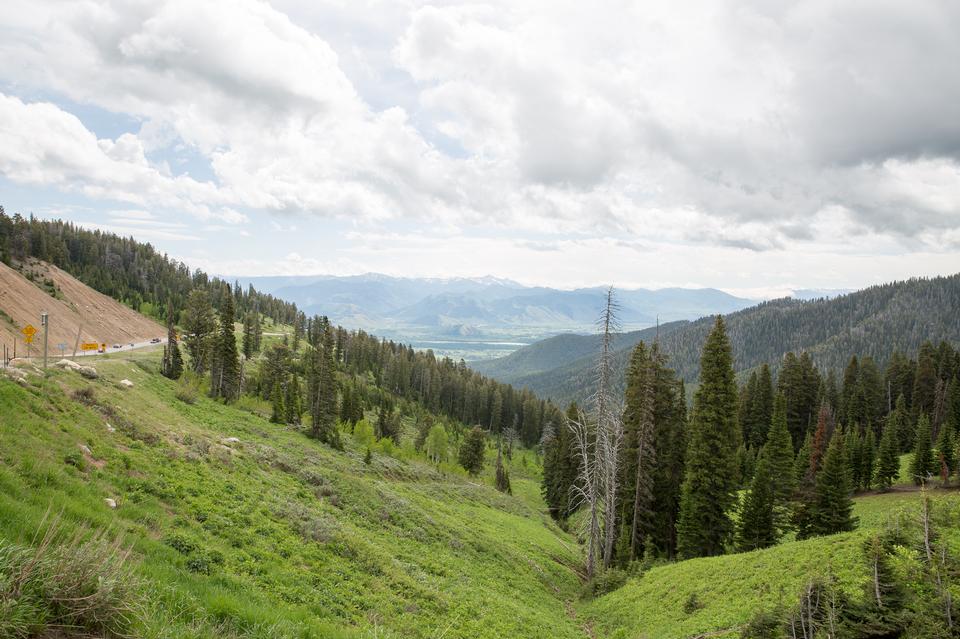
{"x": 29, "y": 330}
{"x": 28, "y": 339}
{"x": 89, "y": 346}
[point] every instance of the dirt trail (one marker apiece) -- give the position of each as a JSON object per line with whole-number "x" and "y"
{"x": 98, "y": 317}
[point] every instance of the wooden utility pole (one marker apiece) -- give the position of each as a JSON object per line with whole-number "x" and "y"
{"x": 76, "y": 344}
{"x": 44, "y": 322}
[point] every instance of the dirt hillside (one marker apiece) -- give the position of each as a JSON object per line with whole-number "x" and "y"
{"x": 76, "y": 307}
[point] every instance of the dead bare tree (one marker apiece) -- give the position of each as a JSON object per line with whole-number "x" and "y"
{"x": 587, "y": 489}
{"x": 598, "y": 441}
{"x": 609, "y": 418}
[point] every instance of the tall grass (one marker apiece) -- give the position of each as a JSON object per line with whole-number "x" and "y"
{"x": 75, "y": 582}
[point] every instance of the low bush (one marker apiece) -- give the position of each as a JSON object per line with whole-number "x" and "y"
{"x": 80, "y": 582}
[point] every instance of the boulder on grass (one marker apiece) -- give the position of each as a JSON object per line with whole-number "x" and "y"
{"x": 68, "y": 364}
{"x": 88, "y": 371}
{"x": 126, "y": 383}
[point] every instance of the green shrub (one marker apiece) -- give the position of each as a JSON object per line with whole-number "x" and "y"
{"x": 607, "y": 581}
{"x": 692, "y": 604}
{"x": 187, "y": 393}
{"x": 767, "y": 624}
{"x": 80, "y": 582}
{"x": 75, "y": 459}
{"x": 85, "y": 395}
{"x": 180, "y": 543}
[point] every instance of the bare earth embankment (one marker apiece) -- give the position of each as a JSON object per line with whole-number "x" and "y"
{"x": 76, "y": 307}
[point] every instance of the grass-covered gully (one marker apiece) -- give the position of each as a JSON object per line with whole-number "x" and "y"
{"x": 209, "y": 521}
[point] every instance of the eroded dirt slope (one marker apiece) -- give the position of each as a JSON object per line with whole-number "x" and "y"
{"x": 77, "y": 307}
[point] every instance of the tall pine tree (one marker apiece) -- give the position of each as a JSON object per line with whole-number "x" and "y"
{"x": 757, "y": 527}
{"x": 923, "y": 465}
{"x": 709, "y": 488}
{"x": 225, "y": 372}
{"x": 832, "y": 508}
{"x": 779, "y": 455}
{"x": 888, "y": 458}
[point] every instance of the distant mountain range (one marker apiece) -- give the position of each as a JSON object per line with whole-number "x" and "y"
{"x": 875, "y": 321}
{"x": 473, "y": 308}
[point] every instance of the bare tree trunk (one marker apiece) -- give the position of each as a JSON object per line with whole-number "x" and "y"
{"x": 609, "y": 426}
{"x": 587, "y": 489}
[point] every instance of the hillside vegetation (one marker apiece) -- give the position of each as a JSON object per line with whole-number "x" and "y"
{"x": 720, "y": 596}
{"x": 874, "y": 322}
{"x": 240, "y": 527}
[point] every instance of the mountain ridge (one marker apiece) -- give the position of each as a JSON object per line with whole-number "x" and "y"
{"x": 875, "y": 321}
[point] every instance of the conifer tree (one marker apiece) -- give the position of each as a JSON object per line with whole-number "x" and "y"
{"x": 172, "y": 367}
{"x": 924, "y": 382}
{"x": 778, "y": 452}
{"x": 322, "y": 387}
{"x": 804, "y": 512}
{"x": 279, "y": 414}
{"x": 946, "y": 454}
{"x": 471, "y": 451}
{"x": 709, "y": 486}
{"x": 832, "y": 506}
{"x": 640, "y": 457}
{"x": 757, "y": 527}
{"x": 761, "y": 408}
{"x": 200, "y": 327}
{"x": 854, "y": 453}
{"x": 292, "y": 401}
{"x": 247, "y": 341}
{"x": 899, "y": 423}
{"x": 953, "y": 405}
{"x": 801, "y": 462}
{"x": 888, "y": 457}
{"x": 502, "y": 477}
{"x": 868, "y": 459}
{"x": 560, "y": 467}
{"x": 225, "y": 372}
{"x": 923, "y": 465}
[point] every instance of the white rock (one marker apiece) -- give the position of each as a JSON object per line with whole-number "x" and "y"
{"x": 112, "y": 503}
{"x": 88, "y": 371}
{"x": 111, "y": 429}
{"x": 85, "y": 450}
{"x": 66, "y": 363}
{"x": 126, "y": 383}
{"x": 231, "y": 440}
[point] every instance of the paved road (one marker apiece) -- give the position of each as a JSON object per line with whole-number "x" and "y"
{"x": 53, "y": 353}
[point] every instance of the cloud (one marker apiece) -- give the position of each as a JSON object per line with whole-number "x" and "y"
{"x": 743, "y": 124}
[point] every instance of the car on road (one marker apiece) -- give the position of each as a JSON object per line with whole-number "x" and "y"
{"x": 155, "y": 340}
{"x": 116, "y": 346}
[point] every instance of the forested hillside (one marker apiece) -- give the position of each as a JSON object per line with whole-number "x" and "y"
{"x": 877, "y": 321}
{"x": 560, "y": 351}
{"x": 137, "y": 274}
{"x": 746, "y": 468}
{"x": 127, "y": 270}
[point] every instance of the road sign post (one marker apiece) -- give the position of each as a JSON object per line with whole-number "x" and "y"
{"x": 44, "y": 322}
{"x": 28, "y": 332}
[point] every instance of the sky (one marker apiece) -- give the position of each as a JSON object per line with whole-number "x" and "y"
{"x": 757, "y": 146}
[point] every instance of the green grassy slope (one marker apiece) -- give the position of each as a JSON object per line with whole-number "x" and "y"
{"x": 731, "y": 589}
{"x": 272, "y": 534}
